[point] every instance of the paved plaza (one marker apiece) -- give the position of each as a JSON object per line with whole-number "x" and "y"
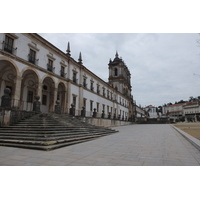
{"x": 134, "y": 145}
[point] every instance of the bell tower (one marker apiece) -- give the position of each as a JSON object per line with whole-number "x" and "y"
{"x": 119, "y": 76}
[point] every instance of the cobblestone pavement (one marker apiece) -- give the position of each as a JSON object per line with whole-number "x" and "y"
{"x": 134, "y": 145}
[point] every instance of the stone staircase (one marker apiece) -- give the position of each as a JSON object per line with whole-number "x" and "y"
{"x": 50, "y": 131}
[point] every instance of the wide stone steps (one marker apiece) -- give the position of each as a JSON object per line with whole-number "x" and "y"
{"x": 44, "y": 147}
{"x": 48, "y": 132}
{"x": 50, "y": 136}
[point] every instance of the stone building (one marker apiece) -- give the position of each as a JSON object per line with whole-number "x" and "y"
{"x": 191, "y": 111}
{"x": 174, "y": 110}
{"x": 30, "y": 66}
{"x": 151, "y": 110}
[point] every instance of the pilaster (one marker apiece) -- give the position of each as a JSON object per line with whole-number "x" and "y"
{"x": 17, "y": 93}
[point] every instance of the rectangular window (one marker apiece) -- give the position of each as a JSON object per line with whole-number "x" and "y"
{"x": 104, "y": 92}
{"x": 44, "y": 99}
{"x": 84, "y": 83}
{"x": 30, "y": 97}
{"x": 74, "y": 77}
{"x": 62, "y": 71}
{"x": 8, "y": 46}
{"x": 98, "y": 90}
{"x": 91, "y": 86}
{"x": 108, "y": 94}
{"x": 32, "y": 56}
{"x": 50, "y": 65}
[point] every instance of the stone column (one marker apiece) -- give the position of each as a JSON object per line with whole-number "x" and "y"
{"x": 53, "y": 99}
{"x": 64, "y": 106}
{"x": 17, "y": 91}
{"x": 1, "y": 80}
{"x": 6, "y": 107}
{"x": 39, "y": 89}
{"x": 68, "y": 96}
{"x": 80, "y": 100}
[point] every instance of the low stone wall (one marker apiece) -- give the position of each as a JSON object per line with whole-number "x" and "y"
{"x": 8, "y": 117}
{"x": 17, "y": 115}
{"x": 105, "y": 122}
{"x": 152, "y": 121}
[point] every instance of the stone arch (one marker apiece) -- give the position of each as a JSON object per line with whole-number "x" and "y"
{"x": 48, "y": 95}
{"x": 8, "y": 77}
{"x": 29, "y": 68}
{"x": 29, "y": 88}
{"x": 11, "y": 62}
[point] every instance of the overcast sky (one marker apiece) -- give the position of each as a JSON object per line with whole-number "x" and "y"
{"x": 162, "y": 65}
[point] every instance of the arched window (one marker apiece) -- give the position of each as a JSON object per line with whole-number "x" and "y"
{"x": 116, "y": 72}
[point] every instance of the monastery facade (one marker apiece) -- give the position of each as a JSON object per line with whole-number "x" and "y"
{"x": 30, "y": 66}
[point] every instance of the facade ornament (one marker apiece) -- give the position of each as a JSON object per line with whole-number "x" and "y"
{"x": 116, "y": 55}
{"x": 6, "y": 99}
{"x": 68, "y": 49}
{"x": 36, "y": 104}
{"x": 80, "y": 59}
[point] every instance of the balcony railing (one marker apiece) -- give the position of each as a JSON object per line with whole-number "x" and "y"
{"x": 85, "y": 85}
{"x": 8, "y": 48}
{"x": 75, "y": 80}
{"x": 63, "y": 74}
{"x": 50, "y": 68}
{"x": 32, "y": 60}
{"x": 92, "y": 88}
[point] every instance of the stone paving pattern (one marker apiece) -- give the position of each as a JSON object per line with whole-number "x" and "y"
{"x": 134, "y": 145}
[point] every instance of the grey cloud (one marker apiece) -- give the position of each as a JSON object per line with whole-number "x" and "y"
{"x": 161, "y": 65}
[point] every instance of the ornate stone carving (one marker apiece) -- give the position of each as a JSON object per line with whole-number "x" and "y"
{"x": 6, "y": 99}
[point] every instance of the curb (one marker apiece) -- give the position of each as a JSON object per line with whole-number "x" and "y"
{"x": 195, "y": 142}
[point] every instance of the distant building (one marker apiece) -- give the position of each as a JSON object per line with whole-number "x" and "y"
{"x": 175, "y": 110}
{"x": 151, "y": 111}
{"x": 140, "y": 112}
{"x": 191, "y": 111}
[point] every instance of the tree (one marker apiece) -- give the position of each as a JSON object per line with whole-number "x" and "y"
{"x": 160, "y": 109}
{"x": 181, "y": 101}
{"x": 191, "y": 98}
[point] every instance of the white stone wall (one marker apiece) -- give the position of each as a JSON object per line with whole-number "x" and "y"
{"x": 174, "y": 109}
{"x": 192, "y": 109}
{"x": 43, "y": 50}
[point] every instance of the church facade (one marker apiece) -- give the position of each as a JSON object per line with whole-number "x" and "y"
{"x": 30, "y": 66}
